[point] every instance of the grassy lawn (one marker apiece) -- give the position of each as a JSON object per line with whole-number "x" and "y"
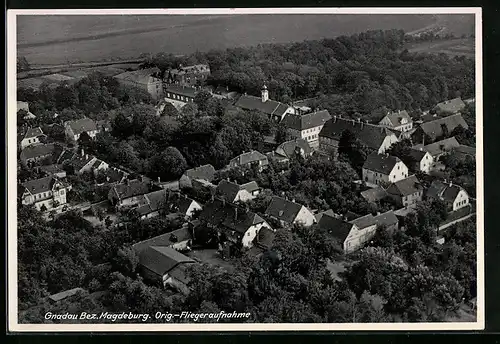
{"x": 452, "y": 47}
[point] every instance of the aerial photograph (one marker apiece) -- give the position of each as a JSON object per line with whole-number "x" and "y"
{"x": 246, "y": 168}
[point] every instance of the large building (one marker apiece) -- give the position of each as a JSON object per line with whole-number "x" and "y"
{"x": 307, "y": 126}
{"x": 146, "y": 79}
{"x": 179, "y": 95}
{"x": 274, "y": 109}
{"x": 376, "y": 138}
{"x": 44, "y": 193}
{"x": 432, "y": 130}
{"x": 383, "y": 168}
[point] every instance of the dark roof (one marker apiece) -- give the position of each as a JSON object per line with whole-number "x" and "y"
{"x": 416, "y": 155}
{"x": 280, "y": 110}
{"x": 382, "y": 163}
{"x": 40, "y": 150}
{"x": 288, "y": 148}
{"x": 405, "y": 187}
{"x": 434, "y": 128}
{"x": 114, "y": 175}
{"x": 445, "y": 191}
{"x": 397, "y": 117}
{"x": 65, "y": 155}
{"x": 326, "y": 212}
{"x": 82, "y": 125}
{"x": 227, "y": 189}
{"x": 33, "y": 132}
{"x": 336, "y": 227}
{"x": 467, "y": 150}
{"x": 36, "y": 186}
{"x": 219, "y": 213}
{"x": 307, "y": 121}
{"x": 250, "y": 157}
{"x": 80, "y": 161}
{"x": 182, "y": 90}
{"x": 250, "y": 186}
{"x": 255, "y": 103}
{"x": 370, "y": 135}
{"x": 283, "y": 209}
{"x": 374, "y": 195}
{"x": 451, "y": 192}
{"x": 206, "y": 172}
{"x": 440, "y": 146}
{"x": 179, "y": 202}
{"x": 51, "y": 169}
{"x": 161, "y": 259}
{"x": 364, "y": 221}
{"x": 141, "y": 76}
{"x": 166, "y": 239}
{"x": 265, "y": 238}
{"x": 155, "y": 201}
{"x": 450, "y": 106}
{"x": 133, "y": 188}
{"x": 387, "y": 219}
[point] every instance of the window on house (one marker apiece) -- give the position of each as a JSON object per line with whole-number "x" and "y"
{"x": 61, "y": 192}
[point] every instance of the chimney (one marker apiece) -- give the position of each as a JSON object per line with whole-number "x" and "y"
{"x": 421, "y": 148}
{"x": 334, "y": 118}
{"x": 83, "y": 152}
{"x": 359, "y": 120}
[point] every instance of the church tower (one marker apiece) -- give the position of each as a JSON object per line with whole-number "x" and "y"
{"x": 264, "y": 94}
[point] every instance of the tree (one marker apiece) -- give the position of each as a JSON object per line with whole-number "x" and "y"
{"x": 126, "y": 261}
{"x": 168, "y": 165}
{"x": 282, "y": 134}
{"x": 201, "y": 100}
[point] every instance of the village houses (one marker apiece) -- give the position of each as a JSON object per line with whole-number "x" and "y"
{"x": 233, "y": 192}
{"x": 40, "y": 153}
{"x": 306, "y": 126}
{"x": 83, "y": 162}
{"x": 179, "y": 95}
{"x": 290, "y": 149}
{"x": 376, "y": 138}
{"x": 274, "y": 109}
{"x": 128, "y": 194}
{"x": 399, "y": 120}
{"x": 406, "y": 192}
{"x": 419, "y": 160}
{"x": 53, "y": 170}
{"x": 163, "y": 265}
{"x": 205, "y": 172}
{"x": 25, "y": 107}
{"x": 48, "y": 192}
{"x": 151, "y": 205}
{"x": 454, "y": 196}
{"x": 428, "y": 132}
{"x": 289, "y": 213}
{"x": 249, "y": 159}
{"x": 193, "y": 75}
{"x": 439, "y": 148}
{"x": 33, "y": 136}
{"x": 383, "y": 168}
{"x": 181, "y": 204}
{"x": 449, "y": 107}
{"x": 73, "y": 129}
{"x": 146, "y": 79}
{"x": 237, "y": 225}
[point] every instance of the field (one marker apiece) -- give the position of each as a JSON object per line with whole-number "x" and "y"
{"x": 452, "y": 47}
{"x": 63, "y": 39}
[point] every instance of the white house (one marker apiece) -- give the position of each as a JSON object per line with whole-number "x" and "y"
{"x": 73, "y": 129}
{"x": 289, "y": 213}
{"x": 233, "y": 192}
{"x": 399, "y": 121}
{"x": 307, "y": 126}
{"x": 32, "y": 137}
{"x": 454, "y": 196}
{"x": 383, "y": 168}
{"x": 274, "y": 109}
{"x": 47, "y": 191}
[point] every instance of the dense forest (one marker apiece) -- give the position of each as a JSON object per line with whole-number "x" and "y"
{"x": 403, "y": 276}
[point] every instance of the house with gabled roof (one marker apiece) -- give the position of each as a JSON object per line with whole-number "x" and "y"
{"x": 306, "y": 126}
{"x": 146, "y": 79}
{"x": 289, "y": 213}
{"x": 439, "y": 148}
{"x": 164, "y": 265}
{"x": 450, "y": 107}
{"x": 73, "y": 129}
{"x": 376, "y": 138}
{"x": 25, "y": 107}
{"x": 205, "y": 172}
{"x": 454, "y": 196}
{"x": 180, "y": 240}
{"x": 432, "y": 130}
{"x": 151, "y": 205}
{"x": 249, "y": 159}
{"x": 48, "y": 192}
{"x": 35, "y": 154}
{"x": 464, "y": 151}
{"x": 399, "y": 120}
{"x": 406, "y": 192}
{"x": 32, "y": 136}
{"x": 419, "y": 160}
{"x": 374, "y": 195}
{"x": 233, "y": 192}
{"x": 346, "y": 233}
{"x": 289, "y": 149}
{"x": 83, "y": 162}
{"x": 128, "y": 194}
{"x": 182, "y": 204}
{"x": 383, "y": 168}
{"x": 238, "y": 225}
{"x": 274, "y": 109}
